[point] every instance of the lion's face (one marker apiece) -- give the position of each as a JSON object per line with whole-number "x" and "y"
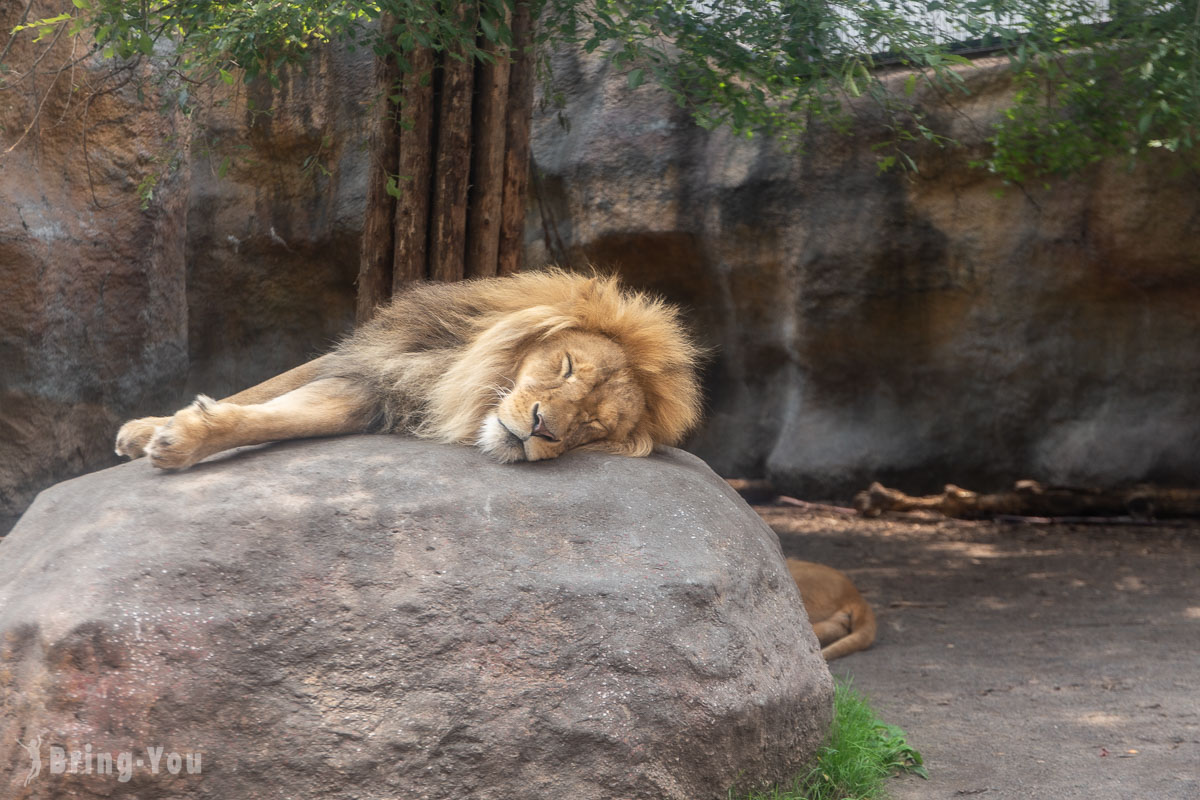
{"x": 572, "y": 390}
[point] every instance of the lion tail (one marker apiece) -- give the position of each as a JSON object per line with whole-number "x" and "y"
{"x": 862, "y": 631}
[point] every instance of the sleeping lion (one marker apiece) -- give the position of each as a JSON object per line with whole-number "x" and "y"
{"x": 842, "y": 620}
{"x": 524, "y": 368}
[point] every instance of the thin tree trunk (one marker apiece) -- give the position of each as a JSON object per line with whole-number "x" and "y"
{"x": 447, "y": 246}
{"x": 411, "y": 261}
{"x": 375, "y": 258}
{"x": 487, "y": 165}
{"x": 516, "y": 152}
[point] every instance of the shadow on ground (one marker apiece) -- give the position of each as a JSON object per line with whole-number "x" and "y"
{"x": 1024, "y": 661}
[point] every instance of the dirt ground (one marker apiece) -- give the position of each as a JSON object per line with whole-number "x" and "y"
{"x": 1025, "y": 661}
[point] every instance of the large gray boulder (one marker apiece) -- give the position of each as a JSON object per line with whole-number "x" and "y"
{"x": 379, "y": 617}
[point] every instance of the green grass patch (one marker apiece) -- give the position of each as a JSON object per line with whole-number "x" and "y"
{"x": 861, "y": 754}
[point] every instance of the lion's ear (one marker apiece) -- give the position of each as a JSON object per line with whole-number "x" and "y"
{"x": 638, "y": 444}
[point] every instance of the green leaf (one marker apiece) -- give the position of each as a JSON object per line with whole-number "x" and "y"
{"x": 910, "y": 85}
{"x": 852, "y": 86}
{"x": 393, "y": 187}
{"x": 226, "y": 75}
{"x": 42, "y": 24}
{"x": 636, "y": 77}
{"x": 489, "y": 30}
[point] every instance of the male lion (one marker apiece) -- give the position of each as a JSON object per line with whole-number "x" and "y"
{"x": 525, "y": 368}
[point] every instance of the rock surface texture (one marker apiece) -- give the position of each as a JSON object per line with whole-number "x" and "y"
{"x": 378, "y": 617}
{"x": 915, "y": 330}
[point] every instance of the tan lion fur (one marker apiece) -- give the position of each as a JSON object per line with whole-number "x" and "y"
{"x": 841, "y": 618}
{"x": 525, "y": 367}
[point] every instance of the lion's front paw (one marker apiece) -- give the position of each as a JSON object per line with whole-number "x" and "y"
{"x": 136, "y": 434}
{"x": 186, "y": 437}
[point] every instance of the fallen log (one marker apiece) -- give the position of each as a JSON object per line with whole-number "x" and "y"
{"x": 1032, "y": 499}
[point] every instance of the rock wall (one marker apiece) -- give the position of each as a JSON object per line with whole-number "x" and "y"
{"x": 273, "y": 242}
{"x": 865, "y": 326}
{"x": 92, "y": 314}
{"x": 916, "y": 330}
{"x": 109, "y": 310}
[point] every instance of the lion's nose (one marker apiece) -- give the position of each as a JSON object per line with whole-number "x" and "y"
{"x": 539, "y": 426}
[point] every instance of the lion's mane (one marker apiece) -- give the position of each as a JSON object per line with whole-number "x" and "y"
{"x": 440, "y": 355}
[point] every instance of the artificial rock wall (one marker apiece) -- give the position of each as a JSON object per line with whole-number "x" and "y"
{"x": 231, "y": 272}
{"x": 912, "y": 329}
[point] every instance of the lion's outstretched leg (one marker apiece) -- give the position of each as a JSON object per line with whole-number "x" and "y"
{"x": 279, "y": 385}
{"x": 324, "y": 407}
{"x": 134, "y": 435}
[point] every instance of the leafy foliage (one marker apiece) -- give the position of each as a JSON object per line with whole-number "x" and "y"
{"x": 1093, "y": 78}
{"x": 1088, "y": 91}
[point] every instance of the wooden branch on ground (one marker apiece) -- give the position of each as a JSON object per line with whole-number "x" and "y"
{"x": 1032, "y": 499}
{"x": 753, "y": 490}
{"x": 760, "y": 491}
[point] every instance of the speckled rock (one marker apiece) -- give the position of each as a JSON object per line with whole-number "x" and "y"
{"x": 379, "y": 617}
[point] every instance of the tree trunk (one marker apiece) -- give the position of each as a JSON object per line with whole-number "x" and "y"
{"x": 487, "y": 166}
{"x": 449, "y": 165}
{"x": 416, "y": 172}
{"x": 452, "y": 171}
{"x": 375, "y": 261}
{"x": 516, "y": 151}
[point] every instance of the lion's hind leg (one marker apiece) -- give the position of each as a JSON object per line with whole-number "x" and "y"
{"x": 830, "y": 630}
{"x": 325, "y": 407}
